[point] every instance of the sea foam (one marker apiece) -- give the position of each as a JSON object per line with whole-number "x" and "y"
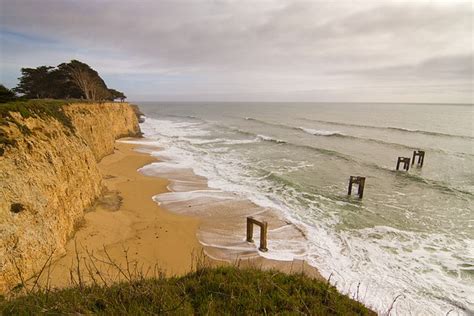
{"x": 373, "y": 265}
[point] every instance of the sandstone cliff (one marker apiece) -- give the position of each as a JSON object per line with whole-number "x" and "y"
{"x": 49, "y": 176}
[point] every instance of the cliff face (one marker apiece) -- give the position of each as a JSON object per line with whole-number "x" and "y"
{"x": 118, "y": 120}
{"x": 49, "y": 177}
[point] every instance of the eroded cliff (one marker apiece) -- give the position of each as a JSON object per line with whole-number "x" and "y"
{"x": 49, "y": 176}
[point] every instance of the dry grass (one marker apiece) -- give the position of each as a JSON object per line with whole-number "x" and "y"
{"x": 205, "y": 290}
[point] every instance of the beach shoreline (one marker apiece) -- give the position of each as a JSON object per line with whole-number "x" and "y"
{"x": 126, "y": 226}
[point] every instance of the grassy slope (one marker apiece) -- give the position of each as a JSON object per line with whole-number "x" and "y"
{"x": 30, "y": 108}
{"x": 224, "y": 290}
{"x": 44, "y": 108}
{"x": 41, "y": 108}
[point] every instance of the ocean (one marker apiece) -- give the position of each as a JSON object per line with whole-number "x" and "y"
{"x": 410, "y": 239}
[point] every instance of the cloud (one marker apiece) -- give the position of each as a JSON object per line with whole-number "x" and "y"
{"x": 243, "y": 47}
{"x": 442, "y": 67}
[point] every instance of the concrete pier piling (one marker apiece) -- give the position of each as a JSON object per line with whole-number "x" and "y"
{"x": 263, "y": 232}
{"x": 361, "y": 184}
{"x": 421, "y": 157}
{"x": 405, "y": 161}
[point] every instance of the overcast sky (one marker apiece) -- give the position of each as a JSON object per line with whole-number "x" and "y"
{"x": 275, "y": 50}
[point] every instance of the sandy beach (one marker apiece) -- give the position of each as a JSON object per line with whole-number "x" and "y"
{"x": 126, "y": 224}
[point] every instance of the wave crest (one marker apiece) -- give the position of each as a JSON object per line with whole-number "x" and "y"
{"x": 320, "y": 132}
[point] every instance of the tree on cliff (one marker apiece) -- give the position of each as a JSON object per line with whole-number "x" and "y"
{"x": 114, "y": 94}
{"x": 46, "y": 82}
{"x": 35, "y": 82}
{"x": 87, "y": 79}
{"x": 6, "y": 94}
{"x": 68, "y": 80}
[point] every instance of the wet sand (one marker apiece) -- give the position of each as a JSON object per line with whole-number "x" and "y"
{"x": 127, "y": 226}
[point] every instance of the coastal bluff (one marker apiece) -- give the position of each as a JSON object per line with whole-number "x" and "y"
{"x": 49, "y": 176}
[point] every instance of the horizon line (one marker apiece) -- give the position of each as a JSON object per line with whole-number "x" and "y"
{"x": 334, "y": 102}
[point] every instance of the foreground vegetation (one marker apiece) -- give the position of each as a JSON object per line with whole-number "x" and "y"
{"x": 223, "y": 290}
